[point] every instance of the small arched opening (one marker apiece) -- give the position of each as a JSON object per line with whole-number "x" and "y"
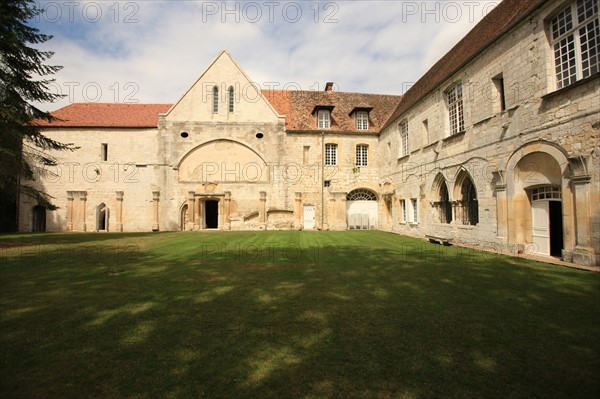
{"x": 102, "y": 217}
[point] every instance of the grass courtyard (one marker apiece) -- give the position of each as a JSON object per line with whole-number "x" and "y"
{"x": 289, "y": 315}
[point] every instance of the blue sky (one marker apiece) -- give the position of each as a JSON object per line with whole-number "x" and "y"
{"x": 152, "y": 51}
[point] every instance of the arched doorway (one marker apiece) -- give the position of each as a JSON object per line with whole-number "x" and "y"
{"x": 183, "y": 217}
{"x": 537, "y": 204}
{"x": 442, "y": 203}
{"x": 102, "y": 217}
{"x": 361, "y": 209}
{"x": 39, "y": 219}
{"x": 466, "y": 208}
{"x": 546, "y": 220}
{"x": 211, "y": 214}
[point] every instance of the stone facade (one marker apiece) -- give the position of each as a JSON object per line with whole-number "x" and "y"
{"x": 535, "y": 136}
{"x": 253, "y": 160}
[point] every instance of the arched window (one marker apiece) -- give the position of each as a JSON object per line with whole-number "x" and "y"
{"x": 231, "y": 99}
{"x": 102, "y": 217}
{"x": 468, "y": 205}
{"x": 361, "y": 195}
{"x": 215, "y": 100}
{"x": 443, "y": 205}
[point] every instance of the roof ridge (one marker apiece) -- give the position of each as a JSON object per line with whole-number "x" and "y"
{"x": 336, "y": 92}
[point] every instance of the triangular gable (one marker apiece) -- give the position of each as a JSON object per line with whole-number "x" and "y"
{"x": 250, "y": 105}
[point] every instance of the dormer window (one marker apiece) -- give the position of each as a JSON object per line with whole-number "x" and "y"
{"x": 323, "y": 119}
{"x": 322, "y": 114}
{"x": 362, "y": 120}
{"x": 361, "y": 117}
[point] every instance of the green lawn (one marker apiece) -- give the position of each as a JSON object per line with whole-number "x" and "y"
{"x": 289, "y": 315}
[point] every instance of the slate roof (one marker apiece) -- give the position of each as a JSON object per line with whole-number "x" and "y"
{"x": 502, "y": 18}
{"x": 107, "y": 115}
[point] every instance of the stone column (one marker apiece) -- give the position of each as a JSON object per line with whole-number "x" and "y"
{"x": 263, "y": 208}
{"x": 119, "y": 210}
{"x": 191, "y": 212}
{"x": 83, "y": 199}
{"x": 155, "y": 199}
{"x": 501, "y": 212}
{"x": 199, "y": 214}
{"x": 227, "y": 211}
{"x": 298, "y": 212}
{"x": 583, "y": 254}
{"x": 70, "y": 210}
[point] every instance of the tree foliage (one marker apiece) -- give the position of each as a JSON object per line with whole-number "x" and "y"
{"x": 24, "y": 82}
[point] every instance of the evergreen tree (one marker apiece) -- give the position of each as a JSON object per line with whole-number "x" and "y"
{"x": 23, "y": 82}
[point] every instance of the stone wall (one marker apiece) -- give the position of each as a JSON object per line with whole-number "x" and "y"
{"x": 536, "y": 117}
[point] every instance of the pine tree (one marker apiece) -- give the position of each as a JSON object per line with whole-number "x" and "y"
{"x": 23, "y": 82}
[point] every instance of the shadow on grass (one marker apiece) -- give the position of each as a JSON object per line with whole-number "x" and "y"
{"x": 27, "y": 239}
{"x": 292, "y": 315}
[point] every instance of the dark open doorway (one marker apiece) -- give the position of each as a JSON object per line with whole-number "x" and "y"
{"x": 39, "y": 219}
{"x": 556, "y": 228}
{"x": 212, "y": 214}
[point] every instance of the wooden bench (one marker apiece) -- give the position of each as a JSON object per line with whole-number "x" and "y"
{"x": 439, "y": 240}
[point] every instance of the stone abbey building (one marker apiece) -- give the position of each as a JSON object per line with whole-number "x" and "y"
{"x": 497, "y": 145}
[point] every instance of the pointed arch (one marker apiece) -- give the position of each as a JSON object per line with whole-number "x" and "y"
{"x": 442, "y": 202}
{"x": 466, "y": 205}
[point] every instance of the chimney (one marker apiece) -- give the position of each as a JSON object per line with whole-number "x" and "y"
{"x": 329, "y": 86}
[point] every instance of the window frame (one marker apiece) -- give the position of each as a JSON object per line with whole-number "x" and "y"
{"x": 362, "y": 120}
{"x": 323, "y": 123}
{"x": 456, "y": 109}
{"x": 231, "y": 95}
{"x": 414, "y": 214}
{"x": 331, "y": 154}
{"x": 362, "y": 155}
{"x": 404, "y": 139}
{"x": 566, "y": 31}
{"x": 404, "y": 211}
{"x": 215, "y": 100}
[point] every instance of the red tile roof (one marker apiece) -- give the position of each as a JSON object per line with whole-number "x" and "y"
{"x": 280, "y": 100}
{"x": 497, "y": 22}
{"x": 296, "y": 106}
{"x": 107, "y": 115}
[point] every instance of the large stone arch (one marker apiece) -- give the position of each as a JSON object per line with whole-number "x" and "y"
{"x": 223, "y": 160}
{"x": 536, "y": 164}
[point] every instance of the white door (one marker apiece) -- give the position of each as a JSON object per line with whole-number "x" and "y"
{"x": 362, "y": 215}
{"x": 541, "y": 227}
{"x": 309, "y": 217}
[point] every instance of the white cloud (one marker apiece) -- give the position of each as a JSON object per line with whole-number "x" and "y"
{"x": 369, "y": 46}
